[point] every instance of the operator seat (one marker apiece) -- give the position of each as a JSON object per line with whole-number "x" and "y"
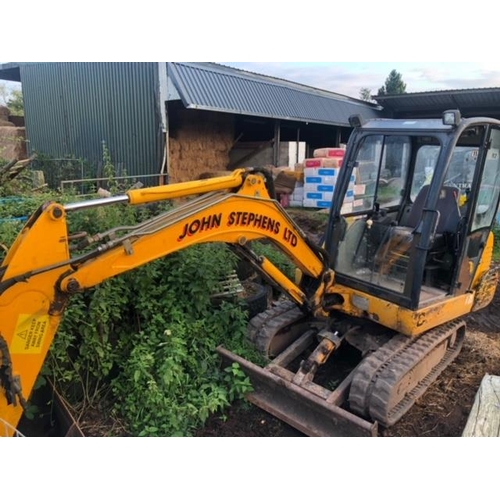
{"x": 398, "y": 239}
{"x": 447, "y": 206}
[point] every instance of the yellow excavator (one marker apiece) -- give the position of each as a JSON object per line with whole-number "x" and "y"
{"x": 397, "y": 270}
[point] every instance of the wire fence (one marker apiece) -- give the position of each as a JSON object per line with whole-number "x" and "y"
{"x": 85, "y": 178}
{"x": 84, "y": 187}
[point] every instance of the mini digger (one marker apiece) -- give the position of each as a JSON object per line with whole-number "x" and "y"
{"x": 392, "y": 279}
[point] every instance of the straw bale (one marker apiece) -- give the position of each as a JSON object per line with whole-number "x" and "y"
{"x": 211, "y": 175}
{"x": 5, "y": 123}
{"x": 4, "y": 113}
{"x": 174, "y": 145}
{"x": 201, "y": 145}
{"x": 13, "y": 143}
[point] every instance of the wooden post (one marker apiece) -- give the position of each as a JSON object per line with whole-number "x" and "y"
{"x": 297, "y": 146}
{"x": 337, "y": 137}
{"x": 277, "y": 143}
{"x": 484, "y": 418}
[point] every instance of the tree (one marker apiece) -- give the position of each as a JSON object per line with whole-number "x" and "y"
{"x": 365, "y": 94}
{"x": 13, "y": 99}
{"x": 393, "y": 84}
{"x": 16, "y": 103}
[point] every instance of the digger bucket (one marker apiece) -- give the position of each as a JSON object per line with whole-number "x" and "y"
{"x": 308, "y": 407}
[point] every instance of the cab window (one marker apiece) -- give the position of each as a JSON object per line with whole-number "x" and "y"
{"x": 381, "y": 171}
{"x": 489, "y": 189}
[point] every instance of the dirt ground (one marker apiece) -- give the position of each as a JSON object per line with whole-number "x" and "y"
{"x": 442, "y": 411}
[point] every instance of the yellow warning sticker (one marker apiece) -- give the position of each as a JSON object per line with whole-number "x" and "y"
{"x": 30, "y": 334}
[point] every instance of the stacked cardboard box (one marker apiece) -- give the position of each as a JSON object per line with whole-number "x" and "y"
{"x": 319, "y": 186}
{"x": 320, "y": 178}
{"x": 337, "y": 153}
{"x": 297, "y": 198}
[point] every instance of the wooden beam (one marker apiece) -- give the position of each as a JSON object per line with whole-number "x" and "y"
{"x": 236, "y": 141}
{"x": 484, "y": 418}
{"x": 14, "y": 168}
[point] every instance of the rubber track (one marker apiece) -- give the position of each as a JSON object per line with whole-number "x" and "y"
{"x": 265, "y": 326}
{"x": 258, "y": 321}
{"x": 378, "y": 375}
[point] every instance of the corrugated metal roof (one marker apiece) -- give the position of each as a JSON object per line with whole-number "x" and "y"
{"x": 220, "y": 88}
{"x": 71, "y": 108}
{"x": 477, "y": 99}
{"x": 10, "y": 72}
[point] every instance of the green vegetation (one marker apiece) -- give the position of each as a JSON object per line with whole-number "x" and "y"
{"x": 13, "y": 99}
{"x": 496, "y": 250}
{"x": 365, "y": 94}
{"x": 278, "y": 258}
{"x": 146, "y": 345}
{"x": 16, "y": 103}
{"x": 67, "y": 168}
{"x": 394, "y": 84}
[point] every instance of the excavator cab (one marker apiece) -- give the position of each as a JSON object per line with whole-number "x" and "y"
{"x": 427, "y": 195}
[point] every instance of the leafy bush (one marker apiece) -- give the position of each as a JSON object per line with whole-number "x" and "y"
{"x": 276, "y": 256}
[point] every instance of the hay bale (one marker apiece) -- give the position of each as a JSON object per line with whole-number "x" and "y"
{"x": 13, "y": 143}
{"x": 211, "y": 175}
{"x": 201, "y": 146}
{"x": 5, "y": 123}
{"x": 4, "y": 113}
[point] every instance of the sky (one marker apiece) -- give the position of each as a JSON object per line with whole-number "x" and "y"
{"x": 349, "y": 77}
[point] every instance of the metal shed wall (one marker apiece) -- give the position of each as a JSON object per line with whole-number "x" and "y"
{"x": 70, "y": 108}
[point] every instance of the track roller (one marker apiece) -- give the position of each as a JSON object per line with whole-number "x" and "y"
{"x": 387, "y": 383}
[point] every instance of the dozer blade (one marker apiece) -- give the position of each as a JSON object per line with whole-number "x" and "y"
{"x": 312, "y": 410}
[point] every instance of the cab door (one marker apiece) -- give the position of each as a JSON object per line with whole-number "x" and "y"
{"x": 481, "y": 211}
